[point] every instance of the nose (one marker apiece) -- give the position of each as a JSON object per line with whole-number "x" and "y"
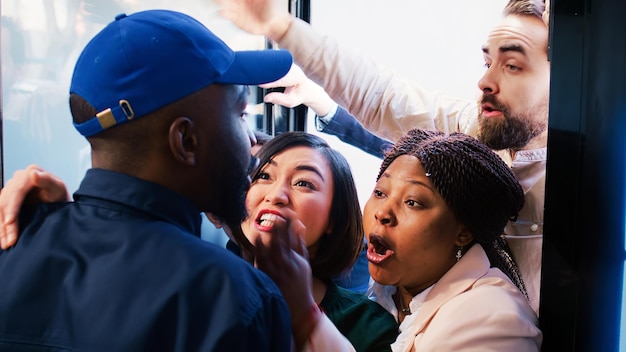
{"x": 277, "y": 195}
{"x": 488, "y": 82}
{"x": 385, "y": 215}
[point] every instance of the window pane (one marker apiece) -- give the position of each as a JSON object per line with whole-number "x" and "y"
{"x": 41, "y": 40}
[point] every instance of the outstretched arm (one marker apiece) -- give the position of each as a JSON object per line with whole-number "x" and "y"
{"x": 348, "y": 129}
{"x": 299, "y": 89}
{"x": 31, "y": 185}
{"x": 383, "y": 102}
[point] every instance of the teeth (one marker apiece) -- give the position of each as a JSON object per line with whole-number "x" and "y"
{"x": 267, "y": 219}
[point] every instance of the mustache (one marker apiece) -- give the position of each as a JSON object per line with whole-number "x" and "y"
{"x": 491, "y": 99}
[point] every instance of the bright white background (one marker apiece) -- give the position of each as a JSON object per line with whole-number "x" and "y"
{"x": 435, "y": 43}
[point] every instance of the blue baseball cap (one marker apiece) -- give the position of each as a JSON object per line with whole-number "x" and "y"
{"x": 149, "y": 59}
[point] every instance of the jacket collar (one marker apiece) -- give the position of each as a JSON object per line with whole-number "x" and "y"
{"x": 460, "y": 278}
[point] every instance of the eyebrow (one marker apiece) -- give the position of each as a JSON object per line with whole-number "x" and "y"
{"x": 310, "y": 168}
{"x": 419, "y": 183}
{"x": 508, "y": 47}
{"x": 302, "y": 168}
{"x": 413, "y": 182}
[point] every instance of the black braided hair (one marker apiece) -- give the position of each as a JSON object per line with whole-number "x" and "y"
{"x": 476, "y": 184}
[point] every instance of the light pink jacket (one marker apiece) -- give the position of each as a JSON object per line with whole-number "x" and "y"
{"x": 473, "y": 308}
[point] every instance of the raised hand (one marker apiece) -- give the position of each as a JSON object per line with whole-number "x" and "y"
{"x": 299, "y": 89}
{"x": 266, "y": 17}
{"x": 31, "y": 185}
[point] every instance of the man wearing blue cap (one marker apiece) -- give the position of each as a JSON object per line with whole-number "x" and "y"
{"x": 122, "y": 268}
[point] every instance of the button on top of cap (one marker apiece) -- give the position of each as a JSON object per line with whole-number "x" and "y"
{"x": 120, "y": 16}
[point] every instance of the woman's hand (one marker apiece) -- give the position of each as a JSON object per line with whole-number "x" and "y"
{"x": 31, "y": 185}
{"x": 284, "y": 258}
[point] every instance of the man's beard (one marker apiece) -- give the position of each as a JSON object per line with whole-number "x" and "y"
{"x": 510, "y": 132}
{"x": 230, "y": 196}
{"x": 233, "y": 207}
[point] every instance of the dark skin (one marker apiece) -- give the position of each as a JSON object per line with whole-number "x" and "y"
{"x": 185, "y": 143}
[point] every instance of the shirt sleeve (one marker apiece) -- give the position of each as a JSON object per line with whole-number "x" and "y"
{"x": 349, "y": 130}
{"x": 383, "y": 102}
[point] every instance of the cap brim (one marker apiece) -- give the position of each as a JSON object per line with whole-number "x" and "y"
{"x": 257, "y": 67}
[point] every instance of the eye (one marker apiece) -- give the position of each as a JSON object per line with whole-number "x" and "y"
{"x": 487, "y": 65}
{"x": 304, "y": 183}
{"x": 412, "y": 203}
{"x": 263, "y": 176}
{"x": 513, "y": 67}
{"x": 378, "y": 194}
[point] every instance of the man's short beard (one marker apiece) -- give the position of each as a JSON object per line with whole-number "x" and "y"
{"x": 234, "y": 206}
{"x": 230, "y": 198}
{"x": 510, "y": 132}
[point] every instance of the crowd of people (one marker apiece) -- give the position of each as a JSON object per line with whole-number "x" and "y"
{"x": 452, "y": 229}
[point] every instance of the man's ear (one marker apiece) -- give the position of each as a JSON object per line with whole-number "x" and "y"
{"x": 183, "y": 140}
{"x": 464, "y": 237}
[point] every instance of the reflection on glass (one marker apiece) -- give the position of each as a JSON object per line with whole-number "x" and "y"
{"x": 41, "y": 40}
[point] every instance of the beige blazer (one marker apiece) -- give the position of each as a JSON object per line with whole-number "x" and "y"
{"x": 475, "y": 308}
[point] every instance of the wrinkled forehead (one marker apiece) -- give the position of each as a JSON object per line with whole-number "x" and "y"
{"x": 527, "y": 32}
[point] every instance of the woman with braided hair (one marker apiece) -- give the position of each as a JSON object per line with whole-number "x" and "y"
{"x": 434, "y": 223}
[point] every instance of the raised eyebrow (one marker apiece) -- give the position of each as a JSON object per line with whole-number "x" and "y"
{"x": 411, "y": 181}
{"x": 300, "y": 168}
{"x": 513, "y": 47}
{"x": 419, "y": 183}
{"x": 506, "y": 48}
{"x": 310, "y": 168}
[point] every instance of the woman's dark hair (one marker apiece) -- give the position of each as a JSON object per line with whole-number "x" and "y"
{"x": 338, "y": 249}
{"x": 477, "y": 185}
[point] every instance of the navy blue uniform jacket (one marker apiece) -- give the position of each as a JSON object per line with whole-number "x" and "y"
{"x": 123, "y": 269}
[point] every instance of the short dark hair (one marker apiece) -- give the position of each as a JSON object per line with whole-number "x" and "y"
{"x": 127, "y": 142}
{"x": 339, "y": 249}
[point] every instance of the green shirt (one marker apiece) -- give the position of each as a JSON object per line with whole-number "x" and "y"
{"x": 365, "y": 323}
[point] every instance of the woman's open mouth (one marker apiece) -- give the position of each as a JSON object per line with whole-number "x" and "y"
{"x": 266, "y": 219}
{"x": 377, "y": 249}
